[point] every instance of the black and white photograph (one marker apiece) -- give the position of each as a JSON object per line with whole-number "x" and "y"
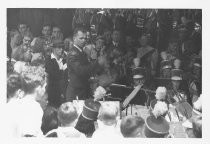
{"x": 104, "y": 73}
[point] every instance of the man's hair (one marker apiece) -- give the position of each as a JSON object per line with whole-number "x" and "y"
{"x": 117, "y": 30}
{"x": 22, "y": 23}
{"x": 57, "y": 26}
{"x": 108, "y": 112}
{"x": 33, "y": 76}
{"x": 46, "y": 24}
{"x": 129, "y": 124}
{"x": 67, "y": 113}
{"x": 14, "y": 83}
{"x": 76, "y": 30}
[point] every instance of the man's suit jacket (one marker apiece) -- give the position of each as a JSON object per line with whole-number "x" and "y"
{"x": 79, "y": 68}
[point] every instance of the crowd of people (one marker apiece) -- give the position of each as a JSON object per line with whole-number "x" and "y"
{"x": 122, "y": 51}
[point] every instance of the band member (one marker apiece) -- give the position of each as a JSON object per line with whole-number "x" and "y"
{"x": 165, "y": 71}
{"x": 176, "y": 94}
{"x": 55, "y": 68}
{"x": 142, "y": 97}
{"x": 195, "y": 87}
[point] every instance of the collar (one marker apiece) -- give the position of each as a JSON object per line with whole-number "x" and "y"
{"x": 54, "y": 57}
{"x": 78, "y": 48}
{"x": 115, "y": 44}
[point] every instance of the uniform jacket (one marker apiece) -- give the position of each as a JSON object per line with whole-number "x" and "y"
{"x": 79, "y": 68}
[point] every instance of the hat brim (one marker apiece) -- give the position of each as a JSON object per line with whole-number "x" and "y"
{"x": 176, "y": 78}
{"x": 166, "y": 67}
{"x": 138, "y": 76}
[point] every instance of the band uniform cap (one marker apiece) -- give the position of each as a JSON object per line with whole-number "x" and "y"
{"x": 90, "y": 109}
{"x": 176, "y": 74}
{"x": 138, "y": 72}
{"x": 165, "y": 64}
{"x": 156, "y": 127}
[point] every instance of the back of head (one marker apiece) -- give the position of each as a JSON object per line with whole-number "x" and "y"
{"x": 34, "y": 76}
{"x": 131, "y": 126}
{"x": 108, "y": 113}
{"x": 67, "y": 113}
{"x": 14, "y": 83}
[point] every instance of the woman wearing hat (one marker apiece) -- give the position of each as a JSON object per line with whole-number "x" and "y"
{"x": 55, "y": 67}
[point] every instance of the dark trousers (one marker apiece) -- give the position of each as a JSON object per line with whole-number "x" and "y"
{"x": 72, "y": 93}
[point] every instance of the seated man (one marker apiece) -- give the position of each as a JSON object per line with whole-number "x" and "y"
{"x": 107, "y": 122}
{"x": 17, "y": 52}
{"x": 17, "y": 35}
{"x": 132, "y": 126}
{"x": 67, "y": 117}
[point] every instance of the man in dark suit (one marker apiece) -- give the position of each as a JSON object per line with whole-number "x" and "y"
{"x": 55, "y": 67}
{"x": 79, "y": 68}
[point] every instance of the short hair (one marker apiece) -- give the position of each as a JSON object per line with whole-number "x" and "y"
{"x": 108, "y": 112}
{"x": 118, "y": 30}
{"x": 76, "y": 30}
{"x": 129, "y": 124}
{"x": 197, "y": 127}
{"x": 57, "y": 26}
{"x": 33, "y": 76}
{"x": 46, "y": 24}
{"x": 14, "y": 83}
{"x": 23, "y": 23}
{"x": 67, "y": 113}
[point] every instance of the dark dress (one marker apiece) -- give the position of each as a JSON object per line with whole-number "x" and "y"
{"x": 56, "y": 82}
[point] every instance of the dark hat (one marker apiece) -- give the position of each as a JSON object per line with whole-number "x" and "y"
{"x": 90, "y": 109}
{"x": 156, "y": 127}
{"x": 165, "y": 64}
{"x": 138, "y": 72}
{"x": 197, "y": 62}
{"x": 176, "y": 74}
{"x": 58, "y": 44}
